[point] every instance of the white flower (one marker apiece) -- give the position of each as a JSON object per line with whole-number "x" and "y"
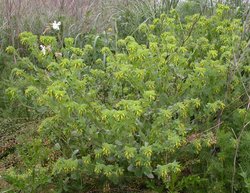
{"x": 158, "y": 2}
{"x": 56, "y": 25}
{"x": 43, "y": 49}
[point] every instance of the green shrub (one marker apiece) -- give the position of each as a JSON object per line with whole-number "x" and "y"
{"x": 145, "y": 115}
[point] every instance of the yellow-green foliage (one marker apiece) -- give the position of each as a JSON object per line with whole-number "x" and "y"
{"x": 142, "y": 113}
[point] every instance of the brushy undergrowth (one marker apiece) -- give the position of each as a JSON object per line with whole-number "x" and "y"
{"x": 169, "y": 115}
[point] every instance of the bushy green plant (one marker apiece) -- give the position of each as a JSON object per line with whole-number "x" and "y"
{"x": 143, "y": 114}
{"x": 5, "y": 69}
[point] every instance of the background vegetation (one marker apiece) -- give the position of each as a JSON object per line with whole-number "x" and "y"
{"x": 129, "y": 96}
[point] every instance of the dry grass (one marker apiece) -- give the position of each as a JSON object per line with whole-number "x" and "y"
{"x": 78, "y": 16}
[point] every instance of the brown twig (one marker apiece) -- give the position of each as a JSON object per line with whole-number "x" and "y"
{"x": 193, "y": 26}
{"x": 244, "y": 125}
{"x": 191, "y": 30}
{"x": 236, "y": 154}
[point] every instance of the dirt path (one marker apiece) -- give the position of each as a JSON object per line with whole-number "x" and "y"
{"x": 10, "y": 131}
{"x": 3, "y": 184}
